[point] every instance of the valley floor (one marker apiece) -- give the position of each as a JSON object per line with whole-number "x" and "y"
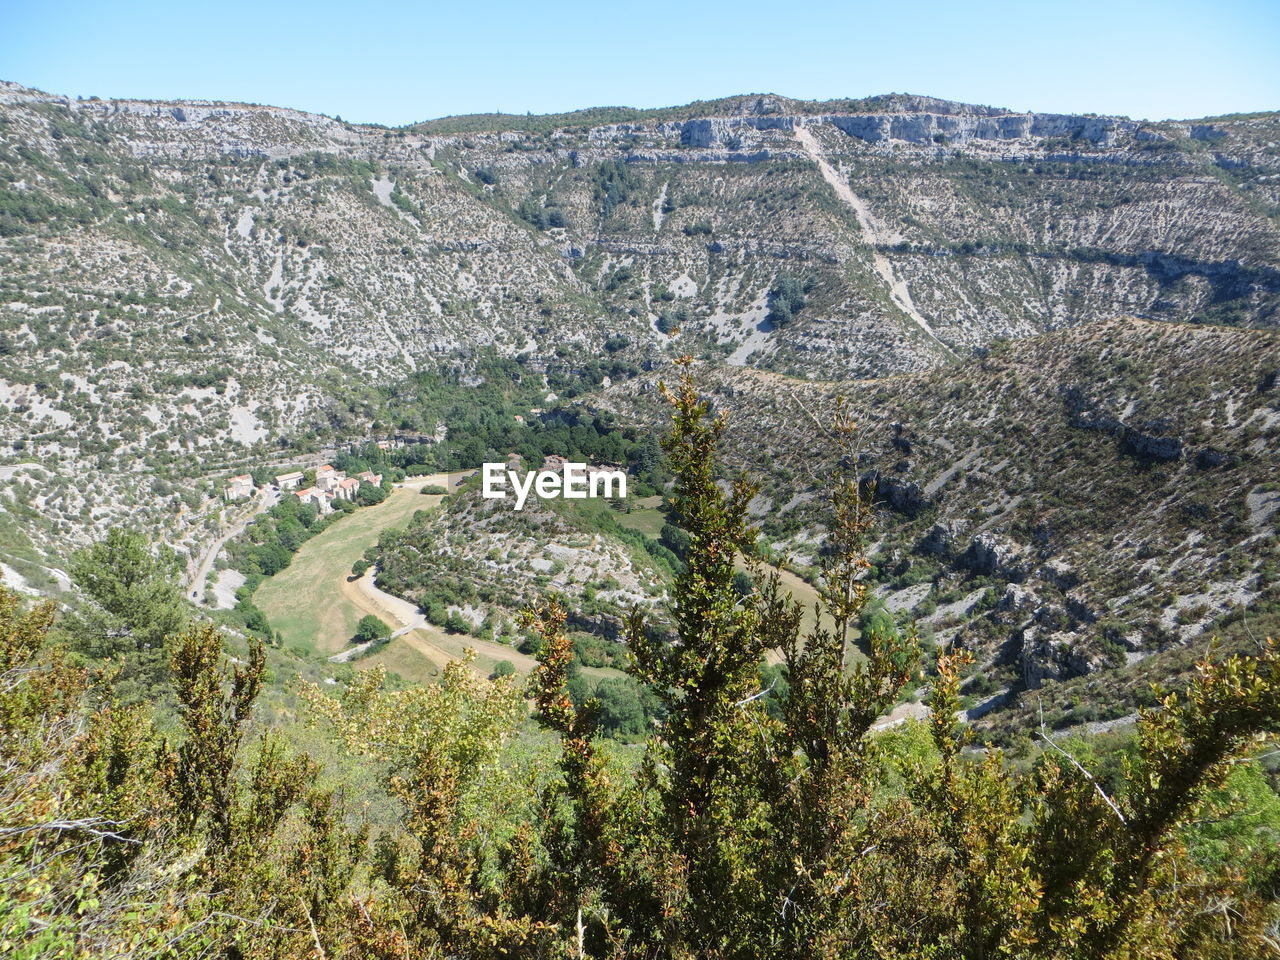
{"x": 306, "y": 601}
{"x": 315, "y": 603}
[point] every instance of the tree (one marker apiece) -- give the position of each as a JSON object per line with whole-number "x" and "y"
{"x": 271, "y": 558}
{"x": 99, "y": 807}
{"x": 370, "y": 628}
{"x": 709, "y": 744}
{"x": 621, "y": 710}
{"x": 370, "y": 495}
{"x": 434, "y": 749}
{"x": 214, "y": 709}
{"x": 674, "y": 539}
{"x": 786, "y": 299}
{"x": 136, "y": 607}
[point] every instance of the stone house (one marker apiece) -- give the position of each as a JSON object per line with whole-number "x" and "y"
{"x": 327, "y": 478}
{"x": 313, "y": 495}
{"x": 238, "y": 488}
{"x": 347, "y": 488}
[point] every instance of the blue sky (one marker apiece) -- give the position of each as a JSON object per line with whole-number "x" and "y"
{"x": 398, "y": 62}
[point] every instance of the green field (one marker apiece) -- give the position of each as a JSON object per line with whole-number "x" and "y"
{"x": 315, "y": 606}
{"x": 304, "y": 602}
{"x": 644, "y": 516}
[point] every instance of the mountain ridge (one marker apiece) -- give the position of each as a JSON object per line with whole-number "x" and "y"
{"x": 140, "y": 239}
{"x": 734, "y": 105}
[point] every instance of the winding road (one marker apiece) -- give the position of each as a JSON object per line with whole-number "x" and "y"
{"x": 410, "y": 625}
{"x": 197, "y": 584}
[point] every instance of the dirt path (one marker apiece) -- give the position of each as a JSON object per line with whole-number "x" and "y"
{"x": 898, "y": 291}
{"x": 901, "y": 714}
{"x": 410, "y": 626}
{"x": 303, "y": 601}
{"x": 400, "y": 614}
{"x": 658, "y": 215}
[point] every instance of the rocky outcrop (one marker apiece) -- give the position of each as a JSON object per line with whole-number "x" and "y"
{"x": 931, "y": 128}
{"x": 1206, "y": 132}
{"x": 1016, "y": 599}
{"x": 726, "y": 132}
{"x": 1051, "y": 656}
{"x": 1054, "y": 656}
{"x": 942, "y": 538}
{"x": 903, "y": 496}
{"x": 991, "y": 555}
{"x": 1150, "y": 441}
{"x": 1059, "y": 573}
{"x": 1210, "y": 459}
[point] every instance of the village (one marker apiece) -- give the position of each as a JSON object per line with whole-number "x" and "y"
{"x": 326, "y": 485}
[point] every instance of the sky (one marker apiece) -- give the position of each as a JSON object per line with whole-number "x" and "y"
{"x": 399, "y": 62}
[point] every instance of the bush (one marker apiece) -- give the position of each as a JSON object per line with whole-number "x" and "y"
{"x": 503, "y": 668}
{"x": 371, "y": 628}
{"x": 786, "y": 299}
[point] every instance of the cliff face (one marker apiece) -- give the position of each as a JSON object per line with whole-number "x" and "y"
{"x": 184, "y": 280}
{"x": 924, "y": 128}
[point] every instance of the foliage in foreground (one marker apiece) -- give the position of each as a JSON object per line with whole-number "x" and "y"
{"x": 750, "y": 826}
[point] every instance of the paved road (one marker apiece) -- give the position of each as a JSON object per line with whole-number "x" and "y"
{"x": 267, "y": 499}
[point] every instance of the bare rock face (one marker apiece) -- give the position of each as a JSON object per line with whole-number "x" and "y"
{"x": 903, "y": 496}
{"x": 1059, "y": 573}
{"x": 935, "y": 128}
{"x": 1150, "y": 444}
{"x": 1149, "y": 441}
{"x": 726, "y": 132}
{"x": 991, "y": 555}
{"x": 942, "y": 538}
{"x": 1016, "y": 599}
{"x": 1051, "y": 656}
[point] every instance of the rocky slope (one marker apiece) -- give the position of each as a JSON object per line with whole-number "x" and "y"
{"x": 1062, "y": 505}
{"x": 183, "y": 284}
{"x": 486, "y": 558}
